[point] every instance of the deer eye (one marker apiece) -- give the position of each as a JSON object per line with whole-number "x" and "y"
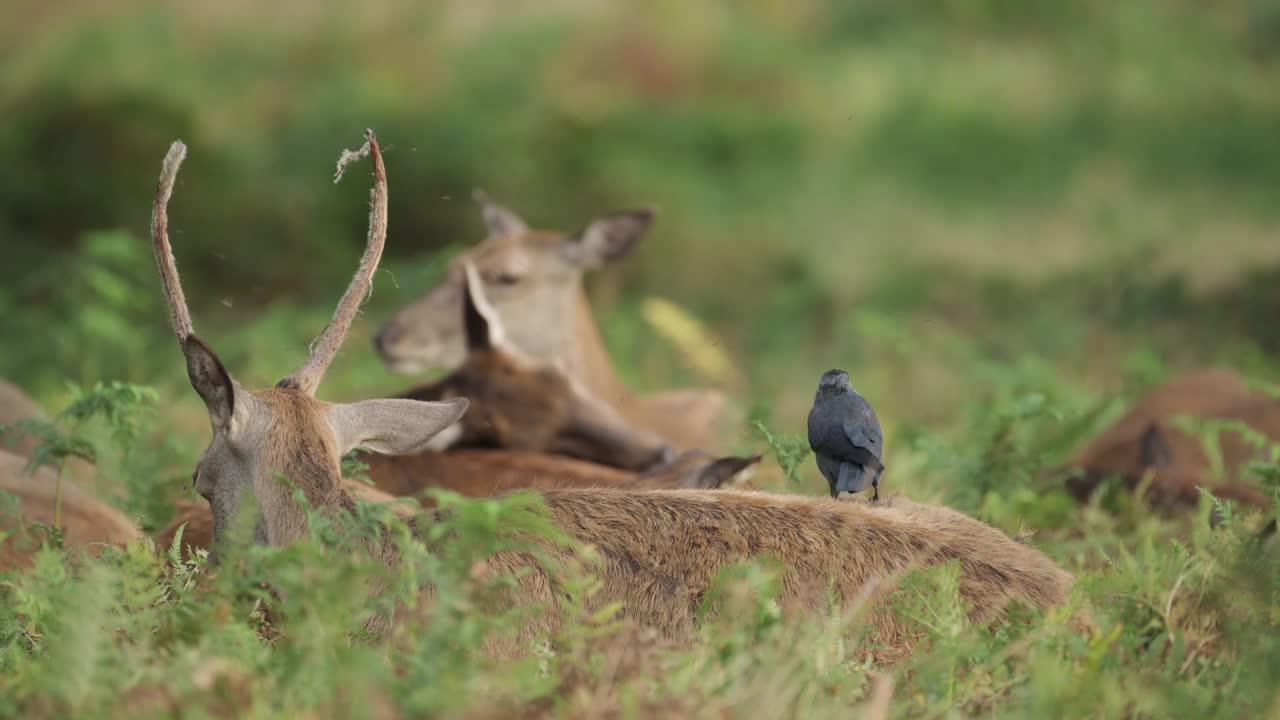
{"x": 506, "y": 278}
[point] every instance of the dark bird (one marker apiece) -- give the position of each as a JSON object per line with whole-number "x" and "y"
{"x": 845, "y": 436}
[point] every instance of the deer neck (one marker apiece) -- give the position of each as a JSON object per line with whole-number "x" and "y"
{"x": 588, "y": 359}
{"x": 283, "y": 519}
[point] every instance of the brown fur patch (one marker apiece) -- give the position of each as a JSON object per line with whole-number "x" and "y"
{"x": 299, "y": 446}
{"x": 480, "y": 473}
{"x": 661, "y": 550}
{"x": 1210, "y": 393}
{"x": 517, "y": 405}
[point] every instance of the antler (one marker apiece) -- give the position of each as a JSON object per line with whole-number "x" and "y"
{"x": 308, "y": 377}
{"x": 178, "y": 311}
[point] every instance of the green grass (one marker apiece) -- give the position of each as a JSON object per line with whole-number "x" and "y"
{"x": 1183, "y": 617}
{"x": 1005, "y": 219}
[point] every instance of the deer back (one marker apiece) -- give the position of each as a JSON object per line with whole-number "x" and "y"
{"x": 1211, "y": 393}
{"x": 660, "y": 551}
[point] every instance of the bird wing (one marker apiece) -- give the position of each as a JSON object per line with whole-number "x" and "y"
{"x": 847, "y": 429}
{"x": 863, "y": 434}
{"x": 860, "y": 442}
{"x": 847, "y": 441}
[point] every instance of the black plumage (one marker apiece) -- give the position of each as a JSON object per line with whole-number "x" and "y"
{"x": 845, "y": 436}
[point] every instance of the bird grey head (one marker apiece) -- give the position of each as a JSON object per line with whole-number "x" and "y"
{"x": 834, "y": 381}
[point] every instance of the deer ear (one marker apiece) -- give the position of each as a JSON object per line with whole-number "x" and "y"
{"x": 608, "y": 238}
{"x": 498, "y": 221}
{"x": 1154, "y": 451}
{"x": 724, "y": 472}
{"x": 483, "y": 327}
{"x": 392, "y": 426}
{"x": 211, "y": 380}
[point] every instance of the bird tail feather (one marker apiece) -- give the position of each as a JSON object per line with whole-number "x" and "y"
{"x": 852, "y": 478}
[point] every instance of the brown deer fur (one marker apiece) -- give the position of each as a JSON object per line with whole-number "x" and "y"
{"x": 660, "y": 551}
{"x": 480, "y": 473}
{"x": 661, "y": 548}
{"x": 534, "y": 280}
{"x": 86, "y": 522}
{"x": 518, "y": 403}
{"x": 1145, "y": 441}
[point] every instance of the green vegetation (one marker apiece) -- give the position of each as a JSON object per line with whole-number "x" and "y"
{"x": 1004, "y": 218}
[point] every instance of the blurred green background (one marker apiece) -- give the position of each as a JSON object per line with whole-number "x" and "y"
{"x": 953, "y": 200}
{"x": 1005, "y": 219}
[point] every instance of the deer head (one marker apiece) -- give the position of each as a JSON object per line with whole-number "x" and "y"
{"x": 533, "y": 279}
{"x": 285, "y": 430}
{"x": 519, "y": 403}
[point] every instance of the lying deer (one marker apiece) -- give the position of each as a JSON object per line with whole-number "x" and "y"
{"x": 533, "y": 278}
{"x": 1164, "y": 486}
{"x": 1143, "y": 442}
{"x": 87, "y": 522}
{"x": 660, "y": 549}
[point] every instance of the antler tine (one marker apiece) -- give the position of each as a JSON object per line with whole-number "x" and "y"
{"x": 325, "y": 347}
{"x": 178, "y": 311}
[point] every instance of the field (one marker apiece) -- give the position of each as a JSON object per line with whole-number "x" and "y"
{"x": 1005, "y": 218}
